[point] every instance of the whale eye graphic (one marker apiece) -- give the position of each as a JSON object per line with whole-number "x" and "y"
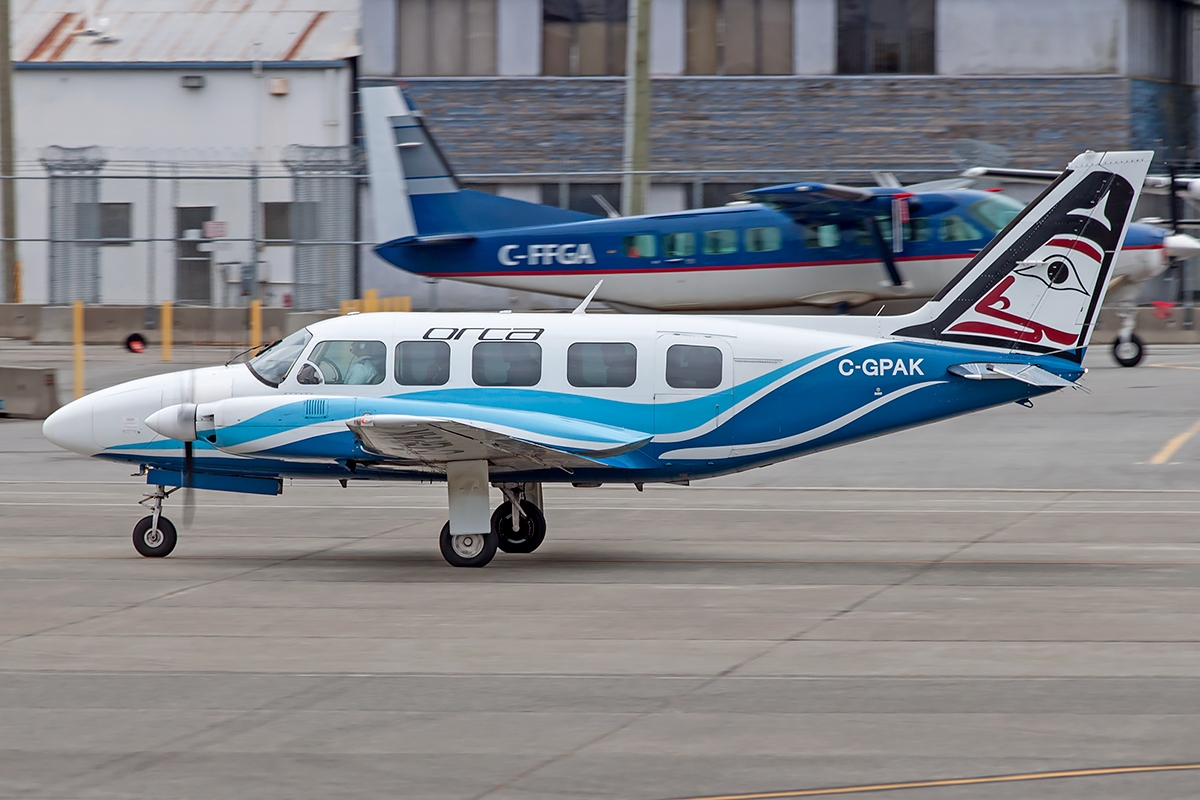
{"x": 1055, "y": 271}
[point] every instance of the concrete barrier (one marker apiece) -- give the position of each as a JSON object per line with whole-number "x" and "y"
{"x": 109, "y": 325}
{"x": 27, "y": 392}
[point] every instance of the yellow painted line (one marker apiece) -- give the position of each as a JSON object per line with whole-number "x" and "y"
{"x": 886, "y": 787}
{"x": 1169, "y": 449}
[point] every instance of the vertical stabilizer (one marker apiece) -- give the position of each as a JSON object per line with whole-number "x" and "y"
{"x": 391, "y": 207}
{"x": 1039, "y": 283}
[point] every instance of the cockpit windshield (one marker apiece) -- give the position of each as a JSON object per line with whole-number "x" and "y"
{"x": 271, "y": 365}
{"x": 995, "y": 211}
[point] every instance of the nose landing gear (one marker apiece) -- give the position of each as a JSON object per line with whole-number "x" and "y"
{"x": 154, "y": 535}
{"x": 1128, "y": 348}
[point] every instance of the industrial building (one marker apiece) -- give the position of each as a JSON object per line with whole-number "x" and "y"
{"x": 153, "y": 150}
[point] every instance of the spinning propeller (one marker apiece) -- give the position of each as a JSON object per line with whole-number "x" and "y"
{"x": 179, "y": 422}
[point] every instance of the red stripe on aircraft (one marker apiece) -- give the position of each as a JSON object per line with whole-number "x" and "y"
{"x": 1078, "y": 244}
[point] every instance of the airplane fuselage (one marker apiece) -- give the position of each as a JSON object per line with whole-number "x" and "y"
{"x": 749, "y": 394}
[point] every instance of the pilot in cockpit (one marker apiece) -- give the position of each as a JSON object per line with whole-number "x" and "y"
{"x": 367, "y": 365}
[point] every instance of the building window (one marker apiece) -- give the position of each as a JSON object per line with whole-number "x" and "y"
{"x": 277, "y": 223}
{"x": 446, "y": 37}
{"x": 739, "y": 37}
{"x": 115, "y": 222}
{"x": 885, "y": 36}
{"x": 584, "y": 37}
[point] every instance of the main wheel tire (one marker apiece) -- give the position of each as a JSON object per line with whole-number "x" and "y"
{"x": 154, "y": 543}
{"x": 530, "y": 533}
{"x": 470, "y": 550}
{"x": 1129, "y": 354}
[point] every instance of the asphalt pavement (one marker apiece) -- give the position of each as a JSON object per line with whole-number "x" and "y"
{"x": 1010, "y": 595}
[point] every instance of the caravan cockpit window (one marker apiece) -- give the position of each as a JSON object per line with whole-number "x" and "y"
{"x": 271, "y": 365}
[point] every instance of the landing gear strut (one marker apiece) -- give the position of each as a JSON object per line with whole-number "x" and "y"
{"x": 154, "y": 536}
{"x": 516, "y": 526}
{"x": 1128, "y": 349}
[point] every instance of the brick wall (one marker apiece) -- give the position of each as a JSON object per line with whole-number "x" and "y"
{"x": 845, "y": 122}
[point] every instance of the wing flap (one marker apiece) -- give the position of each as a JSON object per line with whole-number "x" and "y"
{"x": 437, "y": 440}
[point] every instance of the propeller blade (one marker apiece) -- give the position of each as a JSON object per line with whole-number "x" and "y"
{"x": 189, "y": 492}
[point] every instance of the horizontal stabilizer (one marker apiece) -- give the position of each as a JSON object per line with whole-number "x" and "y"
{"x": 1025, "y": 373}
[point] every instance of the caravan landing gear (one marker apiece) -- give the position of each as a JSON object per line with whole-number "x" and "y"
{"x": 154, "y": 536}
{"x": 1129, "y": 353}
{"x": 1128, "y": 348}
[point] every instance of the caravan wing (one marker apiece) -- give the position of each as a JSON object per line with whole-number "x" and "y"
{"x": 435, "y": 440}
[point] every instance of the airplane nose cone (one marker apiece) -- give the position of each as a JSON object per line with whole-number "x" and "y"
{"x": 1180, "y": 245}
{"x": 71, "y": 427}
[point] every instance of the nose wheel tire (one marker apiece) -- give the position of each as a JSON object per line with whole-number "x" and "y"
{"x": 1128, "y": 354}
{"x": 530, "y": 532}
{"x": 154, "y": 542}
{"x": 467, "y": 550}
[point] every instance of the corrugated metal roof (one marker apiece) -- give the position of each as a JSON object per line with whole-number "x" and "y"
{"x": 130, "y": 31}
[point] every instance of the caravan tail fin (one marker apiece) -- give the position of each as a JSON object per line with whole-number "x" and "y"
{"x": 1038, "y": 285}
{"x": 415, "y": 194}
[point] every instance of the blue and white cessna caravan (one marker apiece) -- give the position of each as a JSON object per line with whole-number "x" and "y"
{"x": 519, "y": 400}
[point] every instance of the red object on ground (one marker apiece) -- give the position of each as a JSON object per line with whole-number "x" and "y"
{"x": 1163, "y": 309}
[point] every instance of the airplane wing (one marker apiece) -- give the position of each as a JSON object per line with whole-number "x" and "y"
{"x": 806, "y": 201}
{"x": 435, "y": 440}
{"x": 1154, "y": 184}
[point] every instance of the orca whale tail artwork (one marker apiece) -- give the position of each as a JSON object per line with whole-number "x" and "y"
{"x": 416, "y": 198}
{"x": 1038, "y": 285}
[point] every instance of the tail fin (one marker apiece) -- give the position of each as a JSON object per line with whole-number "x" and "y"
{"x": 1038, "y": 285}
{"x": 414, "y": 193}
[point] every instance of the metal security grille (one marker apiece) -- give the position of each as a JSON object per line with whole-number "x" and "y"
{"x": 324, "y": 181}
{"x": 74, "y": 222}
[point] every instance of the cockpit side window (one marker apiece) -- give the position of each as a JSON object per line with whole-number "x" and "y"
{"x": 271, "y": 365}
{"x": 350, "y": 363}
{"x": 956, "y": 229}
{"x": 995, "y": 212}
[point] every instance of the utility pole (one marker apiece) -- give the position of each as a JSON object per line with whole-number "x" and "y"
{"x": 8, "y": 194}
{"x": 635, "y": 185}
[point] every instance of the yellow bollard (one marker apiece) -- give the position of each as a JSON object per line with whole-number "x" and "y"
{"x": 77, "y": 320}
{"x": 404, "y": 303}
{"x": 371, "y": 300}
{"x": 346, "y": 307}
{"x": 256, "y": 339}
{"x": 167, "y": 323}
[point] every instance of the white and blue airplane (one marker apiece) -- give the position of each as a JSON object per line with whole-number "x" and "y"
{"x": 520, "y": 400}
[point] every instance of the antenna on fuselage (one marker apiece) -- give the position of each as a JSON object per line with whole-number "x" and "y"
{"x": 582, "y": 307}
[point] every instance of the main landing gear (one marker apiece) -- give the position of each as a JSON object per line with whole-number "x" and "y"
{"x": 154, "y": 536}
{"x": 1128, "y": 348}
{"x": 516, "y": 526}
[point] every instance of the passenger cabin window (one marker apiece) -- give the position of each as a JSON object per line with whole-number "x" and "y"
{"x": 679, "y": 245}
{"x": 719, "y": 243}
{"x": 763, "y": 240}
{"x": 506, "y": 363}
{"x": 915, "y": 230}
{"x": 820, "y": 236}
{"x": 692, "y": 366}
{"x": 349, "y": 363}
{"x": 956, "y": 229}
{"x": 422, "y": 363}
{"x": 640, "y": 246}
{"x": 607, "y": 365}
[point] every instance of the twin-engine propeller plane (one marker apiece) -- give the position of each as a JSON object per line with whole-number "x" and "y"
{"x": 519, "y": 400}
{"x": 794, "y": 245}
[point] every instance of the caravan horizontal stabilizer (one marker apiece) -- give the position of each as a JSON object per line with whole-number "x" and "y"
{"x": 1025, "y": 373}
